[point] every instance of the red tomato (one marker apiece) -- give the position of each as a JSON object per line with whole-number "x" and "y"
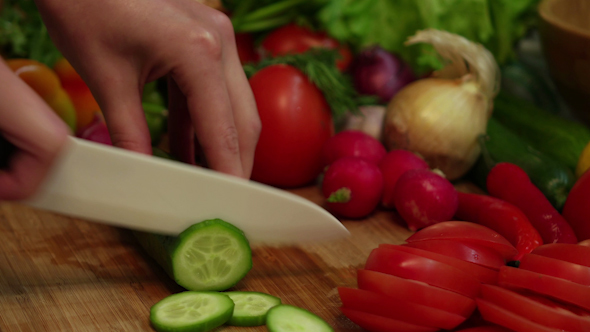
{"x": 557, "y": 288}
{"x": 466, "y": 232}
{"x": 556, "y": 268}
{"x": 538, "y": 309}
{"x": 296, "y": 122}
{"x": 375, "y": 323}
{"x": 409, "y": 266}
{"x": 575, "y": 209}
{"x": 483, "y": 274}
{"x": 390, "y": 307}
{"x": 293, "y": 39}
{"x": 498, "y": 315}
{"x": 490, "y": 328}
{"x": 415, "y": 291}
{"x": 469, "y": 252}
{"x": 568, "y": 252}
{"x": 246, "y": 50}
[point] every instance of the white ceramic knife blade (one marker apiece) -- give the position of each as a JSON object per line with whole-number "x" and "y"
{"x": 130, "y": 190}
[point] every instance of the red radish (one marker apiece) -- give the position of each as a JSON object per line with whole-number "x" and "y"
{"x": 352, "y": 143}
{"x": 393, "y": 165}
{"x": 352, "y": 187}
{"x": 423, "y": 197}
{"x": 96, "y": 131}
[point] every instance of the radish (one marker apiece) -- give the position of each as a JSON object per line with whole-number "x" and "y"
{"x": 393, "y": 165}
{"x": 352, "y": 143}
{"x": 352, "y": 187}
{"x": 423, "y": 198}
{"x": 96, "y": 131}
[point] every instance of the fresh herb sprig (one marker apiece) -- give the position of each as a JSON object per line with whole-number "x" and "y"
{"x": 319, "y": 65}
{"x": 23, "y": 33}
{"x": 263, "y": 15}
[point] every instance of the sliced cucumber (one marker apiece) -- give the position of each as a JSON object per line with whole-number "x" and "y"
{"x": 212, "y": 255}
{"x": 288, "y": 318}
{"x": 251, "y": 307}
{"x": 191, "y": 312}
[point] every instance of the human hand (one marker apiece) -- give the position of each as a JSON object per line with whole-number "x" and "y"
{"x": 119, "y": 46}
{"x": 32, "y": 126}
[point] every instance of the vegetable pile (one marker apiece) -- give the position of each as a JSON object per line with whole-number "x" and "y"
{"x": 384, "y": 106}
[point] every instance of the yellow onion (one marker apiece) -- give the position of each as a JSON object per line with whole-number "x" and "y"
{"x": 441, "y": 117}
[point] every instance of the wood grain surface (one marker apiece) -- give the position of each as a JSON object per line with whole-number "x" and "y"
{"x": 64, "y": 274}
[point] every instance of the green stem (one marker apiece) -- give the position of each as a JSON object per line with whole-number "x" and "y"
{"x": 264, "y": 25}
{"x": 342, "y": 195}
{"x": 272, "y": 10}
{"x": 241, "y": 11}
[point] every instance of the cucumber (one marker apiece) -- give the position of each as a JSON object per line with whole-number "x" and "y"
{"x": 251, "y": 308}
{"x": 525, "y": 81}
{"x": 191, "y": 311}
{"x": 288, "y": 318}
{"x": 555, "y": 136}
{"x": 551, "y": 176}
{"x": 212, "y": 255}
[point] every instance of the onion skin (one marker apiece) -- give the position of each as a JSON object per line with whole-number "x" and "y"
{"x": 440, "y": 119}
{"x": 377, "y": 72}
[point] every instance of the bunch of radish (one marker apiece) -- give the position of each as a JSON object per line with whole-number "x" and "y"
{"x": 361, "y": 175}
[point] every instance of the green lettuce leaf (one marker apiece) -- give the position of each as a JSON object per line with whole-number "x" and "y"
{"x": 497, "y": 24}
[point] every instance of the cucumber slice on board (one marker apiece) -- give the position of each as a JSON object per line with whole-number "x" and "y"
{"x": 251, "y": 307}
{"x": 212, "y": 255}
{"x": 191, "y": 312}
{"x": 288, "y": 318}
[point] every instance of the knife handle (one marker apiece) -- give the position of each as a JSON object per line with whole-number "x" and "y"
{"x": 7, "y": 149}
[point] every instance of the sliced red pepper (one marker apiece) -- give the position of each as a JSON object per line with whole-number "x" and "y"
{"x": 502, "y": 217}
{"x": 511, "y": 183}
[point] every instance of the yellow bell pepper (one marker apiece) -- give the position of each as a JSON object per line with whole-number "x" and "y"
{"x": 84, "y": 102}
{"x": 45, "y": 82}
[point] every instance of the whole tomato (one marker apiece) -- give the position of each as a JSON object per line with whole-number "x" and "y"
{"x": 296, "y": 122}
{"x": 293, "y": 39}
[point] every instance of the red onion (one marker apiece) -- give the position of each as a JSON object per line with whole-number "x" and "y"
{"x": 378, "y": 72}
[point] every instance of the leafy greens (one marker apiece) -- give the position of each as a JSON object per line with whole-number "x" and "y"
{"x": 497, "y": 24}
{"x": 23, "y": 34}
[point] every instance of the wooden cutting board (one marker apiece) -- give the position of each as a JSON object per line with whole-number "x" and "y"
{"x": 64, "y": 274}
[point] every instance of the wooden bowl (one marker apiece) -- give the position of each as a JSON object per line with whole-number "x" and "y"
{"x": 565, "y": 37}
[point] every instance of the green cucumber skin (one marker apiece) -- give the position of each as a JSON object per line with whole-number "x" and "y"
{"x": 549, "y": 133}
{"x": 163, "y": 249}
{"x": 212, "y": 323}
{"x": 251, "y": 320}
{"x": 285, "y": 314}
{"x": 551, "y": 176}
{"x": 158, "y": 247}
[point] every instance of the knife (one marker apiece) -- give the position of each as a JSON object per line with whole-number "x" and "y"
{"x": 126, "y": 189}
